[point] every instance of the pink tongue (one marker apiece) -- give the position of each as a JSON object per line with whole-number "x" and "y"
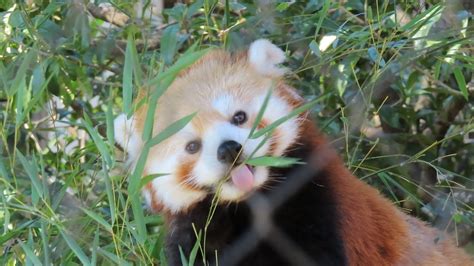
{"x": 242, "y": 178}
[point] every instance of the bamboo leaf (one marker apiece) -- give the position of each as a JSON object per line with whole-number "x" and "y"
{"x": 95, "y": 247}
{"x": 285, "y": 118}
{"x": 170, "y": 130}
{"x": 183, "y": 62}
{"x": 20, "y": 103}
{"x": 273, "y": 161}
{"x": 75, "y": 248}
{"x": 313, "y": 45}
{"x": 184, "y": 261}
{"x": 193, "y": 254}
{"x": 152, "y": 103}
{"x": 127, "y": 79}
{"x": 422, "y": 17}
{"x": 45, "y": 241}
{"x": 21, "y": 73}
{"x": 32, "y": 172}
{"x": 109, "y": 118}
{"x": 98, "y": 141}
{"x": 148, "y": 178}
{"x": 30, "y": 254}
{"x": 168, "y": 43}
{"x": 461, "y": 82}
{"x": 98, "y": 219}
{"x": 261, "y": 112}
{"x": 114, "y": 258}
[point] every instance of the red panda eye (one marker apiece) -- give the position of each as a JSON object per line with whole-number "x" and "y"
{"x": 193, "y": 146}
{"x": 239, "y": 118}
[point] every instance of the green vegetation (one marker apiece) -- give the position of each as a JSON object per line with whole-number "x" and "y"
{"x": 394, "y": 83}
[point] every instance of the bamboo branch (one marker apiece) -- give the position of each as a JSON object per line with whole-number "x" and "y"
{"x": 109, "y": 14}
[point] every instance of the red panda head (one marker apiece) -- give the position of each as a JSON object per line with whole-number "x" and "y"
{"x": 226, "y": 92}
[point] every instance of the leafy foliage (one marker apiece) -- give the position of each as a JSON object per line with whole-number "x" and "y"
{"x": 390, "y": 82}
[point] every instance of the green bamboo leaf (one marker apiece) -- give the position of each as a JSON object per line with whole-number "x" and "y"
{"x": 313, "y": 45}
{"x": 375, "y": 56}
{"x": 109, "y": 120}
{"x": 75, "y": 248}
{"x": 273, "y": 161}
{"x": 135, "y": 201}
{"x": 421, "y": 18}
{"x": 110, "y": 196}
{"x": 21, "y": 73}
{"x": 37, "y": 95}
{"x": 11, "y": 234}
{"x": 98, "y": 219}
{"x": 282, "y": 6}
{"x": 261, "y": 112}
{"x": 30, "y": 254}
{"x": 285, "y": 118}
{"x": 127, "y": 79}
{"x": 148, "y": 178}
{"x": 384, "y": 176}
{"x": 139, "y": 221}
{"x": 170, "y": 130}
{"x": 322, "y": 16}
{"x": 152, "y": 103}
{"x": 45, "y": 241}
{"x": 95, "y": 247}
{"x": 99, "y": 142}
{"x": 20, "y": 103}
{"x": 114, "y": 258}
{"x": 193, "y": 254}
{"x": 3, "y": 170}
{"x": 184, "y": 261}
{"x": 461, "y": 82}
{"x": 183, "y": 62}
{"x": 32, "y": 172}
{"x": 168, "y": 43}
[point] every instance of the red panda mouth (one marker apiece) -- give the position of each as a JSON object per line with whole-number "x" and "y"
{"x": 243, "y": 177}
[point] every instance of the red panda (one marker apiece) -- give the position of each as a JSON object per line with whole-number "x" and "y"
{"x": 319, "y": 212}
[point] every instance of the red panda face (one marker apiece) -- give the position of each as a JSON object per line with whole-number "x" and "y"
{"x": 209, "y": 154}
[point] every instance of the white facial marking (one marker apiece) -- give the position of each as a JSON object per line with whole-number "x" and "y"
{"x": 225, "y": 105}
{"x": 168, "y": 191}
{"x": 127, "y": 137}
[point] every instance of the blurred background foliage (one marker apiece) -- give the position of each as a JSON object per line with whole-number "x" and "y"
{"x": 395, "y": 79}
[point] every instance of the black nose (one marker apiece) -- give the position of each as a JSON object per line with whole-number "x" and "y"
{"x": 228, "y": 151}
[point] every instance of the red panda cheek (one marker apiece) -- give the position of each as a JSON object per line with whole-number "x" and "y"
{"x": 274, "y": 142}
{"x": 262, "y": 124}
{"x": 155, "y": 204}
{"x": 274, "y": 139}
{"x": 184, "y": 175}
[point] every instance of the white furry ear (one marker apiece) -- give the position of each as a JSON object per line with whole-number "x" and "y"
{"x": 127, "y": 136}
{"x": 264, "y": 56}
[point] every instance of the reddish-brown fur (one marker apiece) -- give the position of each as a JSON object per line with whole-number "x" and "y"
{"x": 262, "y": 124}
{"x": 156, "y": 205}
{"x": 183, "y": 174}
{"x": 274, "y": 142}
{"x": 374, "y": 231}
{"x": 289, "y": 95}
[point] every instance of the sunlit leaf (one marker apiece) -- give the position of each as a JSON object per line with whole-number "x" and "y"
{"x": 273, "y": 161}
